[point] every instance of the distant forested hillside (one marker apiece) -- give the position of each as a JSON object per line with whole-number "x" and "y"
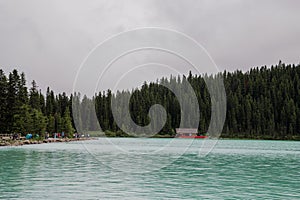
{"x": 262, "y": 103}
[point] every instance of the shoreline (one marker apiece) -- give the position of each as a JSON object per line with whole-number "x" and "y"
{"x": 4, "y": 143}
{"x": 14, "y": 143}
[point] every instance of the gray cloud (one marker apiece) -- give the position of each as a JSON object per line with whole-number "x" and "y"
{"x": 49, "y": 39}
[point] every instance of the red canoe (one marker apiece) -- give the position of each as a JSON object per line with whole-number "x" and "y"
{"x": 192, "y": 136}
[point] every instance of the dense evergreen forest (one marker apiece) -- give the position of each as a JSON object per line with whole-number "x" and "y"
{"x": 29, "y": 111}
{"x": 262, "y": 103}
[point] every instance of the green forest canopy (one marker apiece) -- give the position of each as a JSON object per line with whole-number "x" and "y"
{"x": 262, "y": 103}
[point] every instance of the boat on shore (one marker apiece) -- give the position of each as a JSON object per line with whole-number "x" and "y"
{"x": 192, "y": 136}
{"x": 189, "y": 133}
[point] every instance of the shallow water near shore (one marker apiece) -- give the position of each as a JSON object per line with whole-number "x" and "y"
{"x": 112, "y": 169}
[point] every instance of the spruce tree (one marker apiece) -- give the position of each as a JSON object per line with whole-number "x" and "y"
{"x": 67, "y": 127}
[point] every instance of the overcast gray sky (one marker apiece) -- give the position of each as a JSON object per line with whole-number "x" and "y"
{"x": 48, "y": 39}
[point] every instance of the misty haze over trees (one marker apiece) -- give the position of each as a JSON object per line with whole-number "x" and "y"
{"x": 262, "y": 103}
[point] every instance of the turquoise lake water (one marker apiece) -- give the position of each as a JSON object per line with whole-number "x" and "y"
{"x": 126, "y": 168}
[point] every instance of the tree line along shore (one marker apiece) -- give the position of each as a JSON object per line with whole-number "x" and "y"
{"x": 262, "y": 103}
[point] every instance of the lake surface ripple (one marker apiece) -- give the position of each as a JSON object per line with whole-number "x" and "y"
{"x": 118, "y": 168}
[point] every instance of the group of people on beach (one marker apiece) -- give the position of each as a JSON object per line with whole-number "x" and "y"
{"x": 18, "y": 136}
{"x": 55, "y": 135}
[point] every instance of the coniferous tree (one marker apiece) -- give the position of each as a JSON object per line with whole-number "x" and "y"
{"x": 13, "y": 101}
{"x": 23, "y": 121}
{"x": 38, "y": 122}
{"x": 67, "y": 127}
{"x": 3, "y": 101}
{"x": 23, "y": 93}
{"x": 34, "y": 97}
{"x": 50, "y": 124}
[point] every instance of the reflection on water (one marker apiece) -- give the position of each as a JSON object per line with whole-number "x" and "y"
{"x": 234, "y": 169}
